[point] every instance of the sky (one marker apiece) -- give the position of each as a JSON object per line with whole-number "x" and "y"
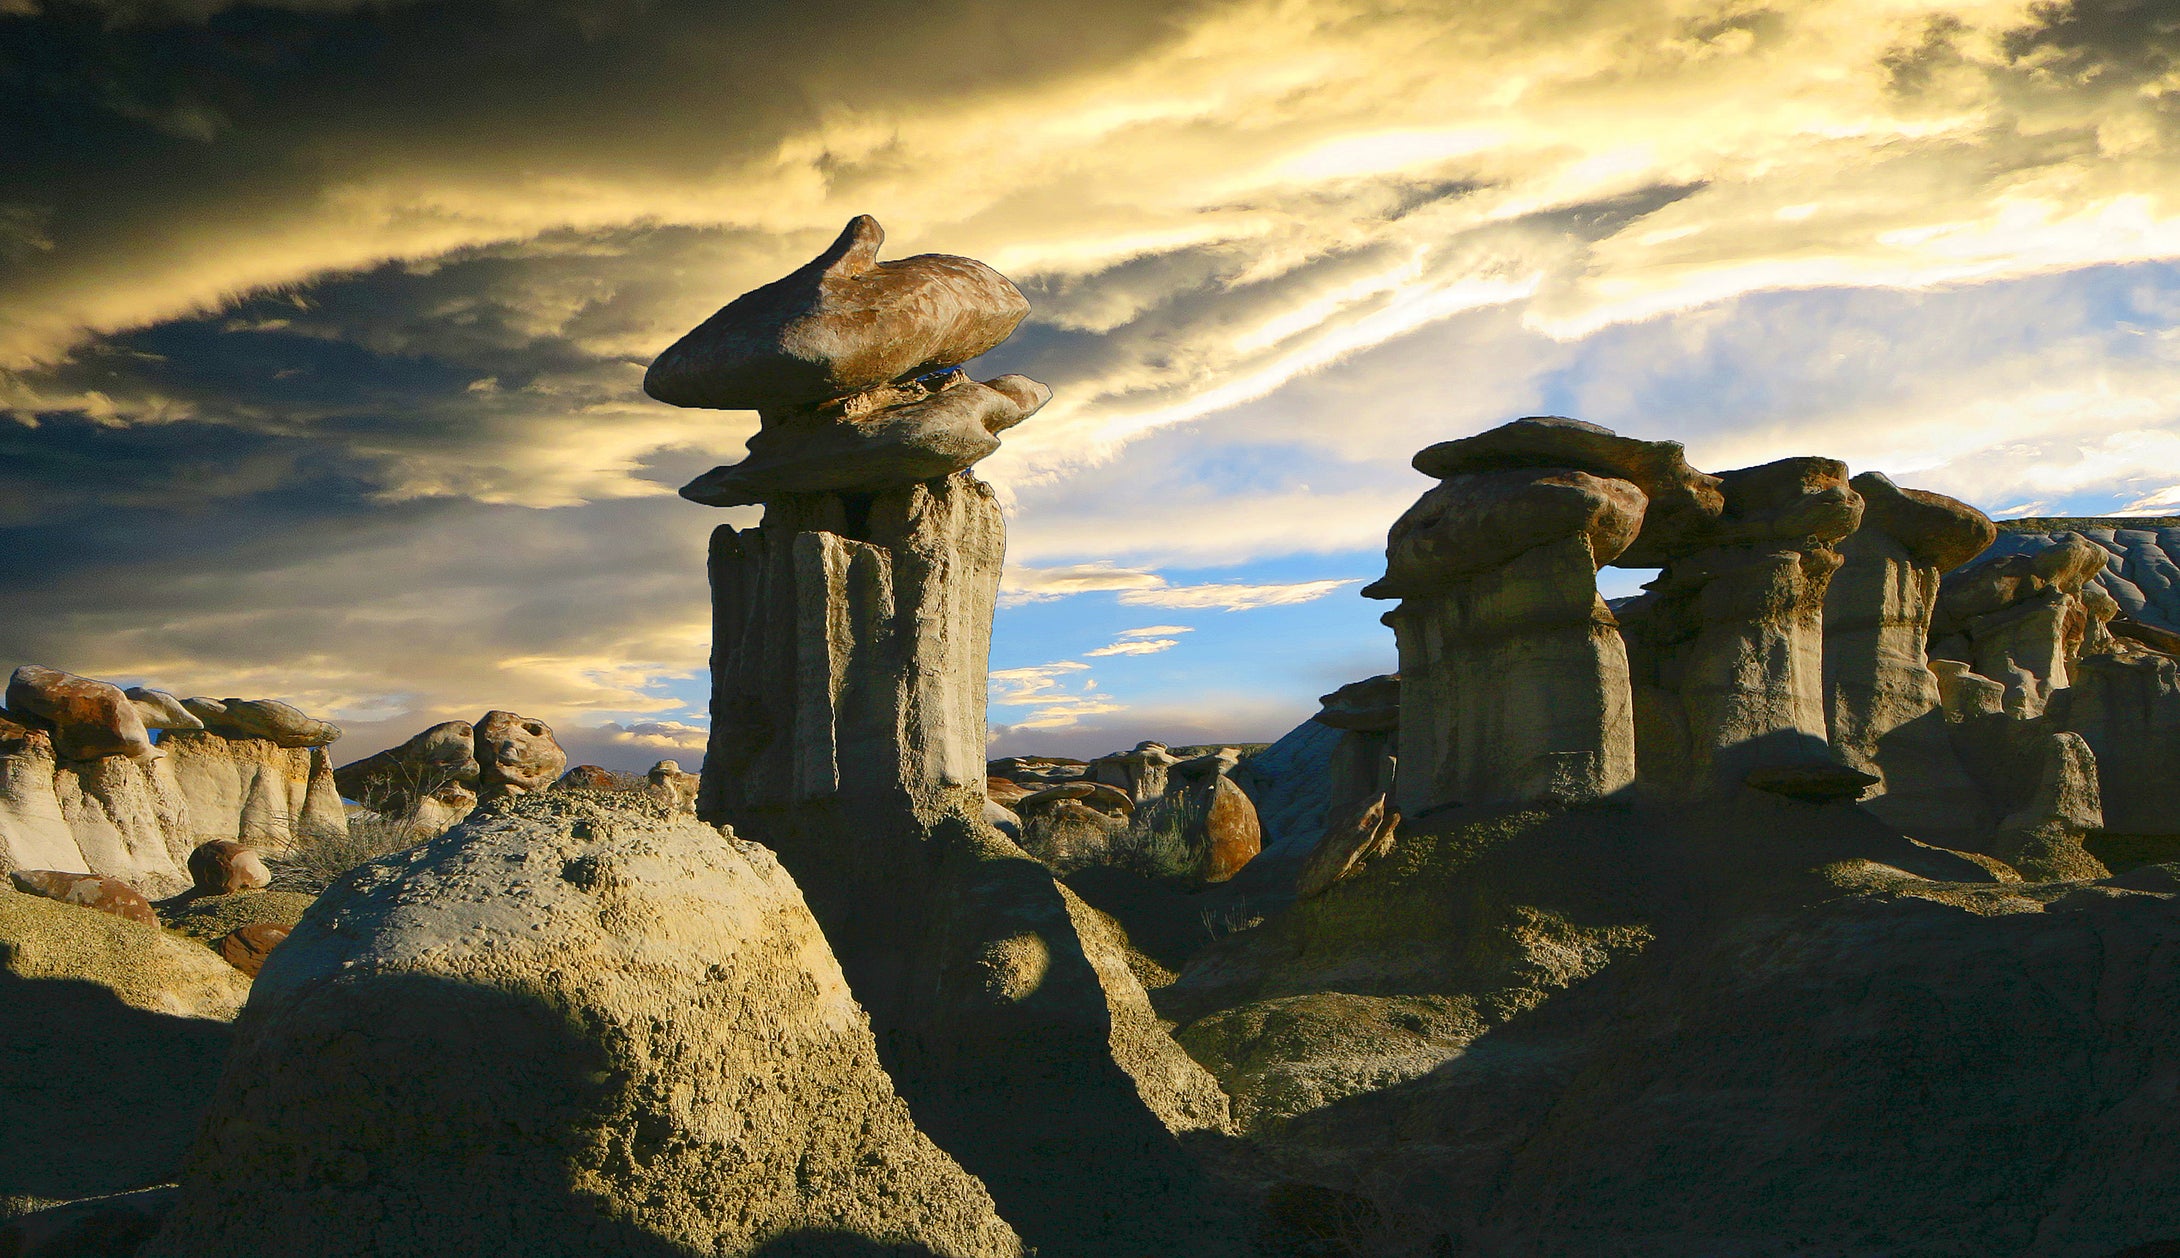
{"x": 322, "y": 323}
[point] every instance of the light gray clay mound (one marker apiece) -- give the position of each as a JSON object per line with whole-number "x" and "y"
{"x": 575, "y": 1024}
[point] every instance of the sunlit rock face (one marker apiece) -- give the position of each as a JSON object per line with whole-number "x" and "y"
{"x": 851, "y": 635}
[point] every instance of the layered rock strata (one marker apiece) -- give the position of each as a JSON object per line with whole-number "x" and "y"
{"x": 850, "y": 637}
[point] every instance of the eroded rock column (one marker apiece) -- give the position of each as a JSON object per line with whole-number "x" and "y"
{"x": 1887, "y": 718}
{"x": 851, "y": 634}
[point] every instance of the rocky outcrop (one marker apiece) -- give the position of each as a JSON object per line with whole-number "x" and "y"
{"x": 632, "y": 1020}
{"x": 115, "y": 816}
{"x": 253, "y": 788}
{"x": 669, "y": 783}
{"x": 1727, "y": 645}
{"x": 280, "y": 724}
{"x": 2023, "y": 619}
{"x": 434, "y": 779}
{"x": 1141, "y": 772}
{"x": 1886, "y": 716}
{"x": 89, "y": 719}
{"x": 851, "y": 630}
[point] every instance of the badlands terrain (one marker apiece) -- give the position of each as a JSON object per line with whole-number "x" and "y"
{"x": 1822, "y": 899}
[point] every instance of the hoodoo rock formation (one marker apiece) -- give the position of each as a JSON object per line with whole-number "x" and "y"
{"x": 83, "y": 786}
{"x": 850, "y": 636}
{"x": 436, "y": 778}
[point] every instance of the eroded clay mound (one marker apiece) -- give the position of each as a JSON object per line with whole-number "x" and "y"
{"x": 571, "y": 1025}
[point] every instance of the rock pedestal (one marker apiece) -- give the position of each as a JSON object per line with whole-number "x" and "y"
{"x": 1887, "y": 718}
{"x": 1727, "y": 645}
{"x": 1514, "y": 681}
{"x": 851, "y": 630}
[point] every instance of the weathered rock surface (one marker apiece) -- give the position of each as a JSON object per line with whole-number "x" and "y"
{"x": 923, "y": 434}
{"x": 223, "y": 866}
{"x": 1885, "y": 711}
{"x": 633, "y": 1021}
{"x": 113, "y": 816}
{"x": 1351, "y": 840}
{"x": 1140, "y": 773}
{"x": 113, "y": 1033}
{"x": 674, "y": 786}
{"x": 281, "y": 724}
{"x": 254, "y": 789}
{"x": 1513, "y": 678}
{"x": 515, "y": 755}
{"x": 160, "y": 710}
{"x": 89, "y": 719}
{"x": 841, "y": 324}
{"x": 2023, "y": 619}
{"x": 88, "y": 891}
{"x": 588, "y": 777}
{"x": 1726, "y": 647}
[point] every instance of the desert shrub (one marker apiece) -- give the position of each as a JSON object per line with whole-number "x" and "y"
{"x": 311, "y": 865}
{"x": 1158, "y": 842}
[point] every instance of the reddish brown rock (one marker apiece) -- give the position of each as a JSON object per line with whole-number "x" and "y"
{"x": 1003, "y": 791}
{"x": 106, "y": 895}
{"x": 843, "y": 323}
{"x": 1232, "y": 834}
{"x": 224, "y": 866}
{"x": 588, "y": 777}
{"x": 90, "y": 719}
{"x": 246, "y": 947}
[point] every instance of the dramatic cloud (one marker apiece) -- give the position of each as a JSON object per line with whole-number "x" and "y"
{"x": 322, "y": 323}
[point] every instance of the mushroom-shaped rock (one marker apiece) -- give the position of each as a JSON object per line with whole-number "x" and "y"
{"x": 1140, "y": 772}
{"x": 841, "y": 324}
{"x": 160, "y": 710}
{"x": 676, "y": 787}
{"x": 90, "y": 718}
{"x": 89, "y": 891}
{"x": 1371, "y": 705}
{"x": 246, "y": 947}
{"x": 1110, "y": 800}
{"x": 629, "y": 1021}
{"x": 2024, "y": 619}
{"x": 283, "y": 724}
{"x": 516, "y": 754}
{"x": 928, "y": 433}
{"x": 1937, "y": 531}
{"x": 1513, "y": 679}
{"x": 1726, "y": 647}
{"x": 1473, "y": 523}
{"x": 223, "y": 866}
{"x": 1681, "y": 499}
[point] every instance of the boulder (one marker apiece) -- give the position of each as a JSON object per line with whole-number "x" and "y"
{"x": 1351, "y": 840}
{"x": 160, "y": 710}
{"x": 1110, "y": 800}
{"x": 1370, "y": 706}
{"x": 919, "y": 434}
{"x": 840, "y": 325}
{"x": 676, "y": 787}
{"x": 246, "y": 947}
{"x": 103, "y": 895}
{"x": 516, "y": 754}
{"x": 631, "y": 1019}
{"x": 224, "y": 866}
{"x": 425, "y": 782}
{"x": 1069, "y": 835}
{"x": 588, "y": 777}
{"x": 281, "y": 724}
{"x": 90, "y": 719}
{"x": 1002, "y": 791}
